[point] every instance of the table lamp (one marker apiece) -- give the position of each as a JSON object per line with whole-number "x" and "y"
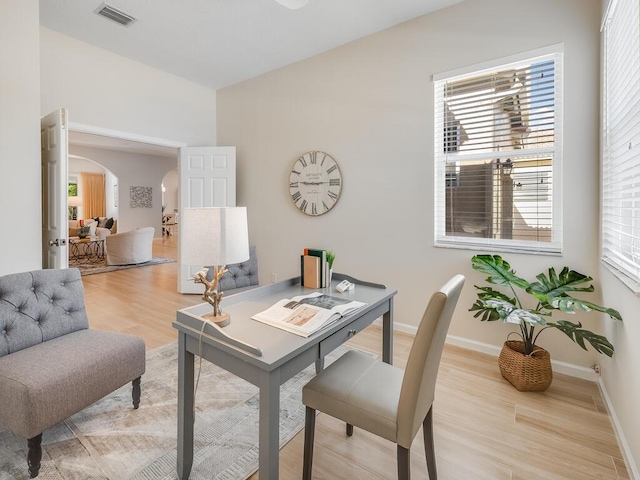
{"x": 214, "y": 236}
{"x": 74, "y": 202}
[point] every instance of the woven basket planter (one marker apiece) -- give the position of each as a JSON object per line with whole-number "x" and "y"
{"x": 528, "y": 373}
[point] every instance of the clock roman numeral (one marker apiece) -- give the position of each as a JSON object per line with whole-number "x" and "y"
{"x": 293, "y": 185}
{"x": 313, "y": 157}
{"x": 314, "y": 210}
{"x": 332, "y": 196}
{"x": 332, "y": 169}
{"x": 325, "y": 206}
{"x": 302, "y": 161}
{"x": 296, "y": 196}
{"x": 303, "y": 206}
{"x": 323, "y": 159}
{"x": 295, "y": 171}
{"x": 334, "y": 182}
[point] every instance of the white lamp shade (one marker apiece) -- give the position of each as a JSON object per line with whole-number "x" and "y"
{"x": 214, "y": 236}
{"x": 75, "y": 201}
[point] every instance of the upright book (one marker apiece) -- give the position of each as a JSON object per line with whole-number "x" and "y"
{"x": 306, "y": 314}
{"x": 322, "y": 255}
{"x": 311, "y": 268}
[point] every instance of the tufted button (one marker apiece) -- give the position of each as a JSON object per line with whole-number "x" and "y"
{"x": 37, "y": 322}
{"x": 62, "y": 284}
{"x": 17, "y": 309}
{"x": 4, "y": 332}
{"x": 51, "y": 300}
{"x": 33, "y": 289}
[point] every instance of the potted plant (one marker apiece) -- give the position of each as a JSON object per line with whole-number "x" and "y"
{"x": 523, "y": 363}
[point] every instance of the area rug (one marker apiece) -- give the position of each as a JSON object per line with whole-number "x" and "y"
{"x": 102, "y": 267}
{"x": 111, "y": 441}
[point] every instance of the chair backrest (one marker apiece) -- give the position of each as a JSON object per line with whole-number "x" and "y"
{"x": 418, "y": 384}
{"x": 38, "y": 306}
{"x": 243, "y": 274}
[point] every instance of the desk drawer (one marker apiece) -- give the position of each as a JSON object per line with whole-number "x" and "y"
{"x": 344, "y": 334}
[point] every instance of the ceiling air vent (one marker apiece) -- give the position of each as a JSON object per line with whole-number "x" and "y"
{"x": 117, "y": 16}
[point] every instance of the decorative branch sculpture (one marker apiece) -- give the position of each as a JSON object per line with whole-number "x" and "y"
{"x": 211, "y": 293}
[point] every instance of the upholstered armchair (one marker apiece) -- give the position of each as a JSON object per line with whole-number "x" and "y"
{"x": 52, "y": 365}
{"x": 129, "y": 248}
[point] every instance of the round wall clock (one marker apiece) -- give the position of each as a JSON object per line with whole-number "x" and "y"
{"x": 315, "y": 183}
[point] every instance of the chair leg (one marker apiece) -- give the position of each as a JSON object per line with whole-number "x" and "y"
{"x": 136, "y": 393}
{"x": 429, "y": 450}
{"x": 35, "y": 455}
{"x": 404, "y": 463}
{"x": 349, "y": 430}
{"x": 309, "y": 431}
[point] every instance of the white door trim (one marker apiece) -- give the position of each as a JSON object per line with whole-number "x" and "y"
{"x": 134, "y": 137}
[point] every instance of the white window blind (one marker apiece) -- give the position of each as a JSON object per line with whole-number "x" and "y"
{"x": 621, "y": 140}
{"x": 497, "y": 156}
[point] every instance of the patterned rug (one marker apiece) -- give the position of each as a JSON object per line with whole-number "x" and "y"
{"x": 111, "y": 441}
{"x": 102, "y": 267}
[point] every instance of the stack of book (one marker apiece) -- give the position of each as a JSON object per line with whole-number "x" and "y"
{"x": 314, "y": 268}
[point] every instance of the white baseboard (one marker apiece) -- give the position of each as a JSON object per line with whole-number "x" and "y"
{"x": 617, "y": 428}
{"x": 559, "y": 367}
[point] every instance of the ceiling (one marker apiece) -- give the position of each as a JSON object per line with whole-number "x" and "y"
{"x": 218, "y": 43}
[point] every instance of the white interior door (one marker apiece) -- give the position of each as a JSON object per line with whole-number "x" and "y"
{"x": 55, "y": 230}
{"x": 207, "y": 178}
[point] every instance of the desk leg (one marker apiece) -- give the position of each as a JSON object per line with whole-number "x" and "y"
{"x": 269, "y": 446}
{"x": 319, "y": 365}
{"x": 387, "y": 335}
{"x": 185, "y": 408}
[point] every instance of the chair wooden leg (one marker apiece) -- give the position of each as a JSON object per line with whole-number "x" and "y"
{"x": 309, "y": 431}
{"x": 429, "y": 450}
{"x": 349, "y": 430}
{"x": 136, "y": 393}
{"x": 404, "y": 463}
{"x": 35, "y": 455}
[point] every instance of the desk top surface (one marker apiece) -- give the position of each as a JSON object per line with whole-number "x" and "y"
{"x": 277, "y": 345}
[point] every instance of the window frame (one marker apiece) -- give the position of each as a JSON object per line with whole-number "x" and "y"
{"x": 612, "y": 253}
{"x": 441, "y": 239}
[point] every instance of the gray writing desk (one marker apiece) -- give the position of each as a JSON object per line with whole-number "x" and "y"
{"x": 279, "y": 357}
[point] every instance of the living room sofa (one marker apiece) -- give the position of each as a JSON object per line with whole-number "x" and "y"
{"x": 52, "y": 365}
{"x": 95, "y": 227}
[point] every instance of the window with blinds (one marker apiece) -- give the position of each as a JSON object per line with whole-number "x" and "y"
{"x": 621, "y": 141}
{"x": 497, "y": 156}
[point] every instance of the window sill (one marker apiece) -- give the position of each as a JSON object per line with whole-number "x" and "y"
{"x": 488, "y": 247}
{"x": 630, "y": 283}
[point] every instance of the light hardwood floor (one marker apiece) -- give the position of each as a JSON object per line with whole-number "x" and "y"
{"x": 484, "y": 428}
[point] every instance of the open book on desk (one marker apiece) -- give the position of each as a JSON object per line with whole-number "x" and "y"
{"x": 306, "y": 314}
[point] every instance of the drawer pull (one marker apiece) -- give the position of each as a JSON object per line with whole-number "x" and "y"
{"x": 352, "y": 331}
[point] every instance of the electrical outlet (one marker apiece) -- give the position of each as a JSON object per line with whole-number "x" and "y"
{"x": 596, "y": 368}
{"x": 274, "y": 278}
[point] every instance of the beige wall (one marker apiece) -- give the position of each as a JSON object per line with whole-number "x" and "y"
{"x": 102, "y": 89}
{"x": 370, "y": 105}
{"x": 20, "y": 137}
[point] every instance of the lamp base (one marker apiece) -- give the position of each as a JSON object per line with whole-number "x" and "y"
{"x": 220, "y": 320}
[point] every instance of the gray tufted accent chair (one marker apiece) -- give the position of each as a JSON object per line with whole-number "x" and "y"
{"x": 52, "y": 364}
{"x": 240, "y": 275}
